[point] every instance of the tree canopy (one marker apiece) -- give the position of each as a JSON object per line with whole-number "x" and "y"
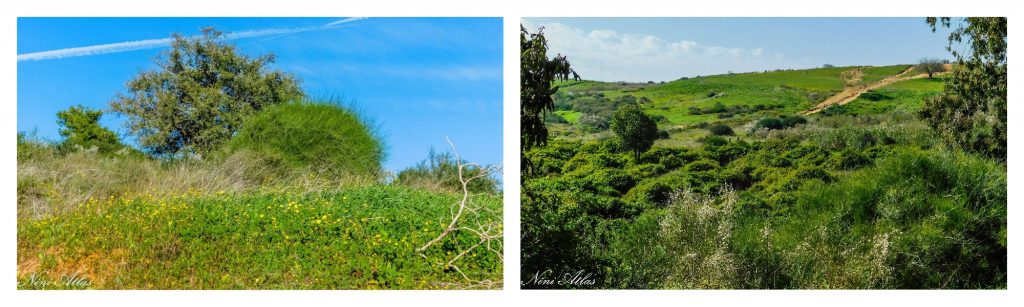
{"x": 971, "y": 112}
{"x": 536, "y": 75}
{"x": 200, "y": 94}
{"x": 81, "y": 129}
{"x": 635, "y": 129}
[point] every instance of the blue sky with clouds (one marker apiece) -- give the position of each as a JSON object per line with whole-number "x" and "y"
{"x": 661, "y": 49}
{"x": 421, "y": 79}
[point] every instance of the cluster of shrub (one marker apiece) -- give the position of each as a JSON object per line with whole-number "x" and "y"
{"x": 724, "y": 111}
{"x": 743, "y": 210}
{"x": 596, "y": 109}
{"x": 779, "y": 123}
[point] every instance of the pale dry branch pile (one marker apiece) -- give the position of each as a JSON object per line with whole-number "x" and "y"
{"x": 489, "y": 233}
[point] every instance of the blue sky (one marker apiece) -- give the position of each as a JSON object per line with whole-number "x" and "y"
{"x": 420, "y": 79}
{"x": 661, "y": 49}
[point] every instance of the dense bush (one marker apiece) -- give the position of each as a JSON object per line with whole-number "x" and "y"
{"x": 778, "y": 213}
{"x": 770, "y": 123}
{"x": 326, "y": 138}
{"x": 783, "y": 122}
{"x": 874, "y": 96}
{"x": 721, "y": 129}
{"x": 835, "y": 110}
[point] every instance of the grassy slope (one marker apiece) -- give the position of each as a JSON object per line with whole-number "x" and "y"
{"x": 350, "y": 239}
{"x": 873, "y": 74}
{"x": 785, "y": 92}
{"x": 790, "y": 90}
{"x": 570, "y": 116}
{"x": 902, "y": 96}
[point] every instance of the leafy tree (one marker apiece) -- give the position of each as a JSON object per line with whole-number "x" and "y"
{"x": 971, "y": 112}
{"x": 80, "y": 127}
{"x": 537, "y": 73}
{"x": 636, "y": 130}
{"x": 200, "y": 94}
{"x": 931, "y": 66}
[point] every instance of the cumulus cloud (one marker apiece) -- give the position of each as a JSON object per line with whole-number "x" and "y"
{"x": 610, "y": 55}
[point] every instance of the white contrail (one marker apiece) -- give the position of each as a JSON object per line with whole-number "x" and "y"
{"x": 160, "y": 42}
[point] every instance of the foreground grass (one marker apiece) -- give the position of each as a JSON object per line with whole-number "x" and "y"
{"x": 355, "y": 238}
{"x": 841, "y": 202}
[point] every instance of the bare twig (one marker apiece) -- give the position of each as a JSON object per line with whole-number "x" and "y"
{"x": 489, "y": 234}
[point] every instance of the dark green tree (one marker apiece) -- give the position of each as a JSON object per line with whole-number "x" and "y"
{"x": 635, "y": 129}
{"x": 971, "y": 112}
{"x": 536, "y": 76}
{"x": 80, "y": 127}
{"x": 199, "y": 95}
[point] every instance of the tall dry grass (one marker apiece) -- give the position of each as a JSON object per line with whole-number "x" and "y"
{"x": 49, "y": 182}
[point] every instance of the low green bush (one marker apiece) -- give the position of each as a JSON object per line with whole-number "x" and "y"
{"x": 322, "y": 136}
{"x": 721, "y": 129}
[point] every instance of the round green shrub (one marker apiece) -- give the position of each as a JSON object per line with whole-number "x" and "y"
{"x": 721, "y": 129}
{"x": 769, "y": 123}
{"x": 323, "y": 136}
{"x": 850, "y": 158}
{"x": 791, "y": 121}
{"x": 702, "y": 165}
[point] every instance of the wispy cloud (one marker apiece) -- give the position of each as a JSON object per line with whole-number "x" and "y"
{"x": 161, "y": 42}
{"x": 451, "y": 73}
{"x": 609, "y": 55}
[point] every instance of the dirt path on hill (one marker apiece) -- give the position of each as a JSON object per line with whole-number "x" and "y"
{"x": 851, "y": 92}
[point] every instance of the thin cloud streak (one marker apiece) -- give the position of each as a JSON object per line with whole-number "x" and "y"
{"x": 156, "y": 43}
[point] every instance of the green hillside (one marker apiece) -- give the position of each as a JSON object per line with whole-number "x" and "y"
{"x": 741, "y": 191}
{"x": 907, "y": 96}
{"x": 733, "y": 99}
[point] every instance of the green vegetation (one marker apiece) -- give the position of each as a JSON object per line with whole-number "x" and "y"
{"x": 243, "y": 221}
{"x": 904, "y": 96}
{"x": 80, "y": 128}
{"x": 569, "y": 116}
{"x": 722, "y": 98}
{"x": 320, "y": 136}
{"x": 537, "y": 73}
{"x": 200, "y": 95}
{"x": 440, "y": 172}
{"x": 746, "y": 193}
{"x": 971, "y": 111}
{"x": 876, "y": 73}
{"x": 635, "y": 130}
{"x": 841, "y": 203}
{"x": 355, "y": 238}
